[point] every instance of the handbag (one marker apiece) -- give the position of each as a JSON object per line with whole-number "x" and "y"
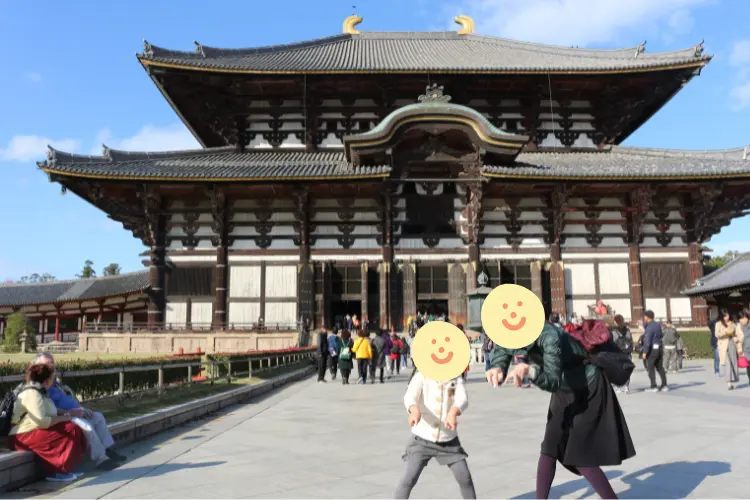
{"x": 743, "y": 362}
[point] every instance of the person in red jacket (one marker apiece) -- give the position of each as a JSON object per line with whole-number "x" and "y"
{"x": 395, "y": 356}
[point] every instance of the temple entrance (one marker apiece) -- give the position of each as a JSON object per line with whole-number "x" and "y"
{"x": 434, "y": 308}
{"x": 340, "y": 308}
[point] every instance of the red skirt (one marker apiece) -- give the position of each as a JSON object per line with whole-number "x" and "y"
{"x": 60, "y": 447}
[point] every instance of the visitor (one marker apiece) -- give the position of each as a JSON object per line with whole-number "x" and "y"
{"x": 465, "y": 374}
{"x": 425, "y": 443}
{"x": 348, "y": 324}
{"x": 334, "y": 346}
{"x": 727, "y": 344}
{"x": 623, "y": 339}
{"x": 744, "y": 324}
{"x": 487, "y": 346}
{"x": 93, "y": 424}
{"x": 714, "y": 346}
{"x": 322, "y": 355}
{"x": 554, "y": 320}
{"x": 379, "y": 355}
{"x": 586, "y": 428}
{"x": 39, "y": 427}
{"x": 670, "y": 339}
{"x": 388, "y": 345}
{"x": 405, "y": 350}
{"x": 653, "y": 352}
{"x": 395, "y": 356}
{"x": 363, "y": 350}
{"x": 345, "y": 352}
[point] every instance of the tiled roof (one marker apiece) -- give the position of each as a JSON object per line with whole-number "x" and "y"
{"x": 19, "y": 294}
{"x": 227, "y": 164}
{"x": 449, "y": 51}
{"x": 734, "y": 276}
{"x": 627, "y": 162}
{"x": 214, "y": 163}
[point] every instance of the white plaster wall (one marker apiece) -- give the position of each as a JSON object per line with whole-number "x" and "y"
{"x": 127, "y": 319}
{"x": 280, "y": 312}
{"x": 201, "y": 312}
{"x": 244, "y": 281}
{"x": 579, "y": 280}
{"x": 613, "y": 278}
{"x": 281, "y": 281}
{"x": 579, "y": 307}
{"x": 243, "y": 313}
{"x": 176, "y": 313}
{"x": 659, "y": 306}
{"x": 619, "y": 306}
{"x": 680, "y": 308}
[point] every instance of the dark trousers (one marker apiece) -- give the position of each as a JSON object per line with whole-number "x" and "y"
{"x": 322, "y": 365}
{"x": 345, "y": 372}
{"x": 333, "y": 364}
{"x": 655, "y": 363}
{"x": 373, "y": 367}
{"x": 396, "y": 365}
{"x": 362, "y": 366}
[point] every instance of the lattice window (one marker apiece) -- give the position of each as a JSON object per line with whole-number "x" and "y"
{"x": 432, "y": 279}
{"x": 664, "y": 279}
{"x": 493, "y": 273}
{"x": 346, "y": 280}
{"x": 518, "y": 273}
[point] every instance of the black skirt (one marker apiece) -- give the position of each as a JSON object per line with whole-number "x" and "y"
{"x": 586, "y": 428}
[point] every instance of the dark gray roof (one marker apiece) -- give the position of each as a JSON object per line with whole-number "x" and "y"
{"x": 229, "y": 165}
{"x": 224, "y": 163}
{"x": 19, "y": 294}
{"x": 627, "y": 162}
{"x": 734, "y": 276}
{"x": 441, "y": 51}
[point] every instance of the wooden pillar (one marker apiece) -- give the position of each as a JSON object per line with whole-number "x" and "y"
{"x": 636, "y": 283}
{"x": 101, "y": 312}
{"x": 57, "y": 323}
{"x": 698, "y": 306}
{"x": 557, "y": 281}
{"x": 365, "y": 266}
{"x": 457, "y": 287}
{"x": 188, "y": 313}
{"x": 474, "y": 220}
{"x": 386, "y": 265}
{"x": 536, "y": 280}
{"x": 222, "y": 228}
{"x": 325, "y": 302}
{"x": 305, "y": 269}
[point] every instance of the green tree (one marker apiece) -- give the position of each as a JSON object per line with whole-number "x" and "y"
{"x": 88, "y": 270}
{"x": 111, "y": 270}
{"x": 14, "y": 328}
{"x": 717, "y": 261}
{"x": 37, "y": 278}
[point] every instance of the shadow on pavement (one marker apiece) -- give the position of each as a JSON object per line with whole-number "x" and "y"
{"x": 672, "y": 480}
{"x": 566, "y": 489}
{"x": 126, "y": 473}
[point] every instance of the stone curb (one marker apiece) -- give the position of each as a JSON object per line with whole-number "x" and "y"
{"x": 18, "y": 468}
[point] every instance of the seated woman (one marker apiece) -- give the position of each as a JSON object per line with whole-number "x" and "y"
{"x": 39, "y": 427}
{"x": 585, "y": 425}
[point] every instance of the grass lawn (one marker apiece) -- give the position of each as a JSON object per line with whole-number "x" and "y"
{"x": 18, "y": 357}
{"x": 140, "y": 404}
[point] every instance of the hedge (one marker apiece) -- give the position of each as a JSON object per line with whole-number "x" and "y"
{"x": 240, "y": 360}
{"x": 697, "y": 343}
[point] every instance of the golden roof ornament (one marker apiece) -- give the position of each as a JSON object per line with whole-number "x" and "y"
{"x": 350, "y": 23}
{"x": 466, "y": 23}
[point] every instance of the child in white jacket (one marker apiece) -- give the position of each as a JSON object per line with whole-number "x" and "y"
{"x": 433, "y": 410}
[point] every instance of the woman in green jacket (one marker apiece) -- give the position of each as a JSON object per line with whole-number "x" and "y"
{"x": 585, "y": 425}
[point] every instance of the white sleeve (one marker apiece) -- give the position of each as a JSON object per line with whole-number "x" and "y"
{"x": 414, "y": 391}
{"x": 461, "y": 399}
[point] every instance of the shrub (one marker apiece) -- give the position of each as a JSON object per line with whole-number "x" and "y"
{"x": 240, "y": 360}
{"x": 697, "y": 343}
{"x": 17, "y": 323}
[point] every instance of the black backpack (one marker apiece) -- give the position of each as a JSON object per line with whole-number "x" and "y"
{"x": 395, "y": 349}
{"x": 616, "y": 365}
{"x": 405, "y": 349}
{"x": 6, "y": 410}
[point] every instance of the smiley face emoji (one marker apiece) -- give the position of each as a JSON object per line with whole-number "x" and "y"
{"x": 512, "y": 316}
{"x": 440, "y": 351}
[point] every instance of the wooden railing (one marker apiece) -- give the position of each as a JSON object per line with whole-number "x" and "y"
{"x": 267, "y": 362}
{"x": 189, "y": 327}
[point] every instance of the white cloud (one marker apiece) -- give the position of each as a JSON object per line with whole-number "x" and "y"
{"x": 578, "y": 22}
{"x": 33, "y": 77}
{"x": 25, "y": 148}
{"x": 149, "y": 138}
{"x": 740, "y": 55}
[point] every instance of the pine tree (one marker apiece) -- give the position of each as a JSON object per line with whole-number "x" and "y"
{"x": 14, "y": 328}
{"x": 88, "y": 270}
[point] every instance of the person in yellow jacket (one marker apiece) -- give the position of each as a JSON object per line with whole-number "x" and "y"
{"x": 363, "y": 350}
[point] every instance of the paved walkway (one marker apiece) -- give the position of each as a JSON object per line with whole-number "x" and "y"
{"x": 331, "y": 441}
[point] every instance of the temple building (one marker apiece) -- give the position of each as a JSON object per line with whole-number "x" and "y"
{"x": 726, "y": 288}
{"x": 378, "y": 173}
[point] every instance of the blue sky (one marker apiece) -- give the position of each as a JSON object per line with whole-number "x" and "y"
{"x": 69, "y": 77}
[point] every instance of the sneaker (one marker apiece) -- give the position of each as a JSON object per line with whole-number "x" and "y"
{"x": 730, "y": 387}
{"x": 676, "y": 372}
{"x": 664, "y": 388}
{"x": 626, "y": 390}
{"x": 618, "y": 390}
{"x": 717, "y": 374}
{"x": 321, "y": 381}
{"x": 62, "y": 478}
{"x": 652, "y": 389}
{"x": 359, "y": 381}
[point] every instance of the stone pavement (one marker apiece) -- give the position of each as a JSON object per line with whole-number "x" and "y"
{"x": 331, "y": 441}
